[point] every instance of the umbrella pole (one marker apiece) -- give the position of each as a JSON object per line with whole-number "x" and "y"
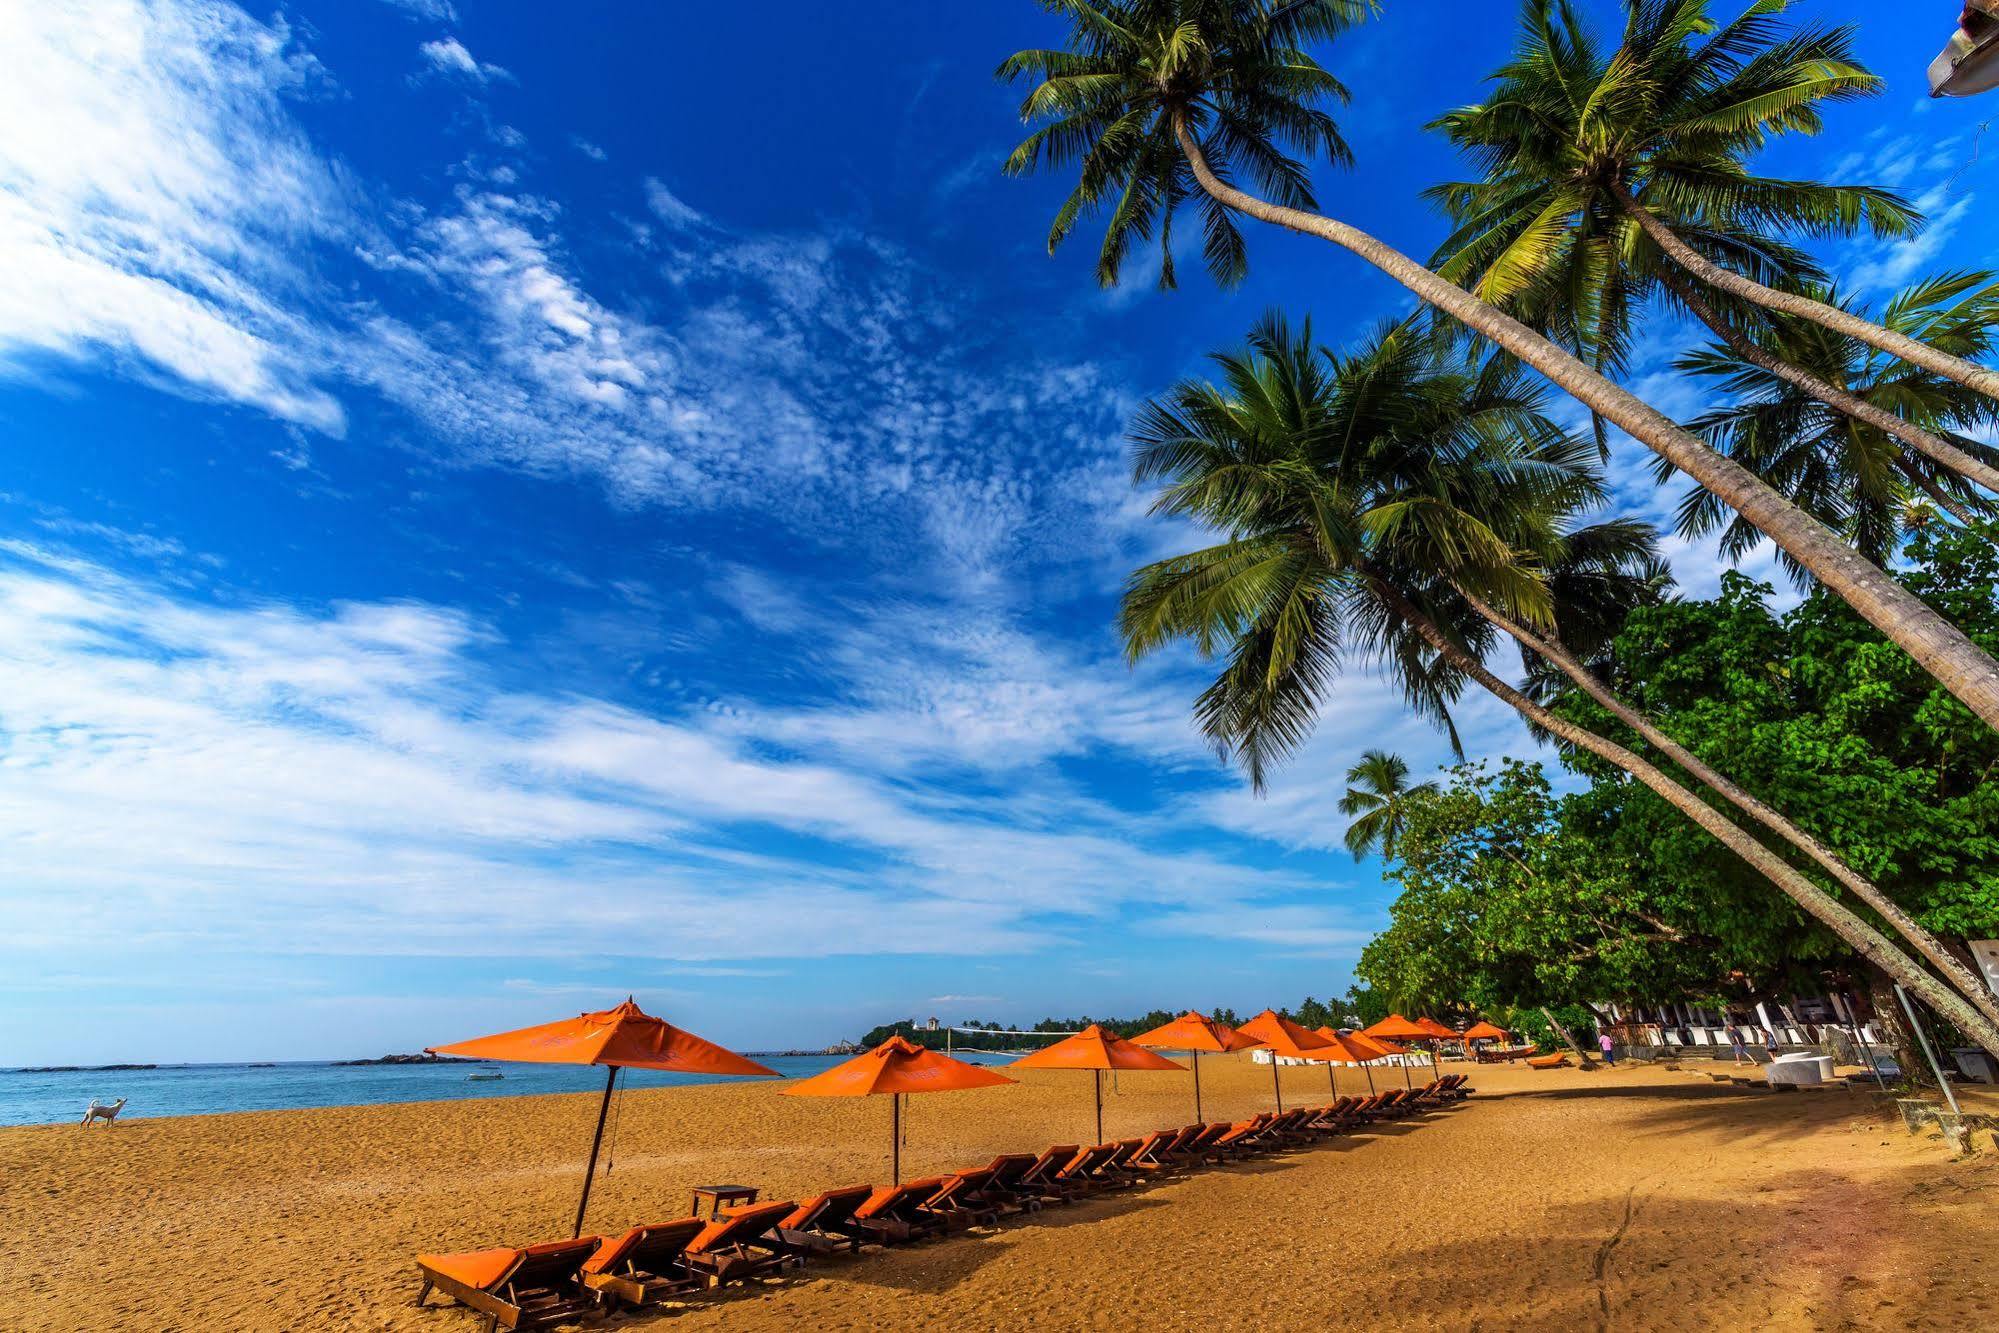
{"x": 603, "y": 1109}
{"x": 1275, "y": 1086}
{"x": 1405, "y": 1075}
{"x": 1097, "y": 1086}
{"x": 1197, "y": 1087}
{"x": 895, "y": 1135}
{"x": 1332, "y": 1078}
{"x": 1370, "y": 1079}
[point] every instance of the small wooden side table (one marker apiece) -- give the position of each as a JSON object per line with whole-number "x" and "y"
{"x": 719, "y": 1196}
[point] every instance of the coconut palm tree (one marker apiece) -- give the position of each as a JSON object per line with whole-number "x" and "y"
{"x": 1590, "y": 155}
{"x": 1850, "y": 476}
{"x": 1228, "y": 83}
{"x": 1378, "y": 505}
{"x": 1378, "y": 795}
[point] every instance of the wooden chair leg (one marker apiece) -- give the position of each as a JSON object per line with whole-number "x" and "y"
{"x": 423, "y": 1294}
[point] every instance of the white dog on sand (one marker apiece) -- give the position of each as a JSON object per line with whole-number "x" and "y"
{"x": 99, "y": 1111}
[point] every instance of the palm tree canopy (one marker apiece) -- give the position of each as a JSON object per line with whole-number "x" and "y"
{"x": 1851, "y": 476}
{"x": 1673, "y": 114}
{"x": 1235, "y": 70}
{"x": 1378, "y": 794}
{"x": 1332, "y": 479}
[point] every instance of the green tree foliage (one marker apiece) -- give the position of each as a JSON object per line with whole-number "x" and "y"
{"x": 1514, "y": 896}
{"x": 1511, "y": 898}
{"x": 1312, "y": 1013}
{"x": 1816, "y": 713}
{"x": 1850, "y": 476}
{"x": 1377, "y": 790}
{"x": 1672, "y": 113}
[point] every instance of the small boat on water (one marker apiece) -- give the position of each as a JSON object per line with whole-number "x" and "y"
{"x": 484, "y": 1078}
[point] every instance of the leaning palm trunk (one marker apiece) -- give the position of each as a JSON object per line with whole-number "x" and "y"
{"x": 1943, "y": 650}
{"x": 1862, "y": 938}
{"x": 1917, "y": 353}
{"x": 1568, "y": 1038}
{"x": 1953, "y": 969}
{"x": 1932, "y": 446}
{"x": 1943, "y": 500}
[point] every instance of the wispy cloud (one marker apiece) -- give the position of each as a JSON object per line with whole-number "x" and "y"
{"x": 448, "y": 56}
{"x": 351, "y": 781}
{"x": 436, "y": 11}
{"x": 152, "y": 183}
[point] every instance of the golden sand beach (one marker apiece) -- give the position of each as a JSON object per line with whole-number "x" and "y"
{"x": 1636, "y": 1198}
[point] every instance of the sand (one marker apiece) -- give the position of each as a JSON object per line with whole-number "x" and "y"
{"x": 1639, "y": 1198}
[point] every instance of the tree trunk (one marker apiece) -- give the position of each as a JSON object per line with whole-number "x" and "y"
{"x": 1932, "y": 446}
{"x": 1866, "y": 941}
{"x": 1938, "y": 496}
{"x": 1567, "y": 1039}
{"x": 1888, "y": 1017}
{"x": 1968, "y": 373}
{"x": 1943, "y": 650}
{"x": 1949, "y": 964}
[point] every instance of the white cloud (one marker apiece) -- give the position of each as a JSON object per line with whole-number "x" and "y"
{"x": 435, "y": 11}
{"x": 593, "y": 151}
{"x": 1895, "y": 263}
{"x": 353, "y": 781}
{"x": 447, "y": 55}
{"x": 669, "y": 208}
{"x": 151, "y": 183}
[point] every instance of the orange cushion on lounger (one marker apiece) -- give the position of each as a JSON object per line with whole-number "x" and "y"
{"x": 739, "y": 1224}
{"x": 613, "y": 1251}
{"x": 483, "y": 1268}
{"x": 885, "y": 1195}
{"x": 811, "y": 1209}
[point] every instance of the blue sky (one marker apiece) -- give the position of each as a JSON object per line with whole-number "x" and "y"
{"x": 499, "y": 515}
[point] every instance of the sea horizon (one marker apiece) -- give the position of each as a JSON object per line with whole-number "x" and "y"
{"x": 163, "y": 1091}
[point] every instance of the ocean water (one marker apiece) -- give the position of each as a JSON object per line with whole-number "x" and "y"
{"x": 42, "y": 1099}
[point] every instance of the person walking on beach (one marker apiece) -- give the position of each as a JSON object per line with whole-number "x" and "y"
{"x": 1609, "y": 1053}
{"x": 1737, "y": 1045}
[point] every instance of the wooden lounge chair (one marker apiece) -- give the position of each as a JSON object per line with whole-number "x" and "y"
{"x": 1179, "y": 1150}
{"x": 742, "y": 1243}
{"x": 1039, "y": 1177}
{"x": 1335, "y": 1117}
{"x": 643, "y": 1265}
{"x": 1249, "y": 1138}
{"x": 1453, "y": 1088}
{"x": 825, "y": 1223}
{"x": 1289, "y": 1127}
{"x": 535, "y": 1287}
{"x": 1004, "y": 1188}
{"x": 1079, "y": 1174}
{"x": 1146, "y": 1156}
{"x": 1401, "y": 1104}
{"x": 894, "y": 1213}
{"x": 957, "y": 1201}
{"x": 1200, "y": 1150}
{"x": 1553, "y": 1061}
{"x": 1117, "y": 1168}
{"x": 1429, "y": 1096}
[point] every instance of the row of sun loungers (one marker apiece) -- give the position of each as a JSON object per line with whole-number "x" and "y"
{"x": 569, "y": 1280}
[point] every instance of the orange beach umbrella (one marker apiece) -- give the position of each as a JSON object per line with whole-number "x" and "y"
{"x": 1484, "y": 1031}
{"x": 1436, "y": 1029}
{"x": 1396, "y": 1028}
{"x": 622, "y": 1038}
{"x": 1096, "y": 1050}
{"x": 1285, "y": 1038}
{"x": 1380, "y": 1047}
{"x": 895, "y": 1069}
{"x": 1196, "y": 1034}
{"x": 1350, "y": 1053}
